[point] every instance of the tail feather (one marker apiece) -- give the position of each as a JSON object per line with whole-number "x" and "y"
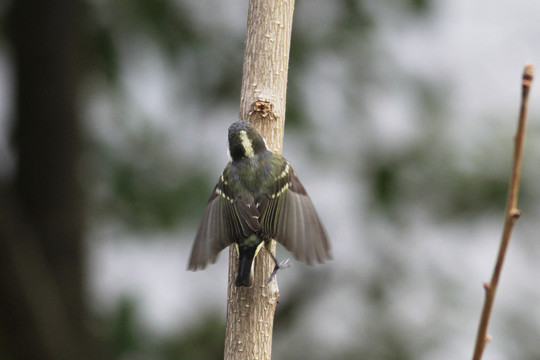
{"x": 245, "y": 263}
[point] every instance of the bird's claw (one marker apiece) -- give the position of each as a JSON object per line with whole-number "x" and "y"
{"x": 282, "y": 265}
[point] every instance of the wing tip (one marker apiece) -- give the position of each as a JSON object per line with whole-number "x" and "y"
{"x": 197, "y": 263}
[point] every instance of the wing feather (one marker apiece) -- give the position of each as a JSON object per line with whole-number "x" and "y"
{"x": 288, "y": 216}
{"x": 225, "y": 220}
{"x": 213, "y": 234}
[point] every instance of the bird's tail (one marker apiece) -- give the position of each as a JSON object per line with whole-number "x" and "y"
{"x": 245, "y": 263}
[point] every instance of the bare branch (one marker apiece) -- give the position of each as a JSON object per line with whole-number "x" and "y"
{"x": 511, "y": 215}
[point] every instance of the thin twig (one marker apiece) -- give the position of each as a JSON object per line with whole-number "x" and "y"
{"x": 511, "y": 215}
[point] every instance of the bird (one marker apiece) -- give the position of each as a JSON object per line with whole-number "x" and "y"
{"x": 258, "y": 197}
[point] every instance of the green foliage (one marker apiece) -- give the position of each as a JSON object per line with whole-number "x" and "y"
{"x": 123, "y": 334}
{"x": 127, "y": 338}
{"x": 103, "y": 55}
{"x": 148, "y": 202}
{"x": 449, "y": 190}
{"x": 140, "y": 188}
{"x": 204, "y": 341}
{"x": 472, "y": 194}
{"x": 419, "y": 6}
{"x": 354, "y": 17}
{"x": 384, "y": 184}
{"x": 166, "y": 22}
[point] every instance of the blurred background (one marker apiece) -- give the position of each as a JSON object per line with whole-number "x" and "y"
{"x": 400, "y": 119}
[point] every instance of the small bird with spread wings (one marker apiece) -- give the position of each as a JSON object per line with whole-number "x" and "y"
{"x": 258, "y": 197}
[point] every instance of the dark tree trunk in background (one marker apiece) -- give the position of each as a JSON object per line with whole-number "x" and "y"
{"x": 42, "y": 308}
{"x": 46, "y": 135}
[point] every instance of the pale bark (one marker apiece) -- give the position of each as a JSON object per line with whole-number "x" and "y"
{"x": 250, "y": 311}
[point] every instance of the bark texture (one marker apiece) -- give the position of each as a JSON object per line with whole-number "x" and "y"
{"x": 250, "y": 311}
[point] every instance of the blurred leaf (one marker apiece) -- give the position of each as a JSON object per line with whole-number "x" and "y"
{"x": 296, "y": 115}
{"x": 148, "y": 202}
{"x": 123, "y": 336}
{"x": 354, "y": 17}
{"x": 384, "y": 183}
{"x": 166, "y": 21}
{"x": 420, "y": 6}
{"x": 418, "y": 175}
{"x": 128, "y": 340}
{"x": 476, "y": 194}
{"x": 206, "y": 341}
{"x": 103, "y": 53}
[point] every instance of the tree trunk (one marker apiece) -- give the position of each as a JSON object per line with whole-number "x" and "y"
{"x": 250, "y": 311}
{"x": 41, "y": 212}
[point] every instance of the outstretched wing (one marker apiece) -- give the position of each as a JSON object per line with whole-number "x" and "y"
{"x": 289, "y": 217}
{"x": 225, "y": 220}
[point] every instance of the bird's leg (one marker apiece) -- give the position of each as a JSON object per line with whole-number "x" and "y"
{"x": 282, "y": 265}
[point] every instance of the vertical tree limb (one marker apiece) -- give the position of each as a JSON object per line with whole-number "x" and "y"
{"x": 42, "y": 293}
{"x": 250, "y": 311}
{"x": 511, "y": 215}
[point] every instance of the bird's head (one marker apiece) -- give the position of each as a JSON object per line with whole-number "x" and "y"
{"x": 245, "y": 141}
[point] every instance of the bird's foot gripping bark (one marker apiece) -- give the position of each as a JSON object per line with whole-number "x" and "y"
{"x": 279, "y": 265}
